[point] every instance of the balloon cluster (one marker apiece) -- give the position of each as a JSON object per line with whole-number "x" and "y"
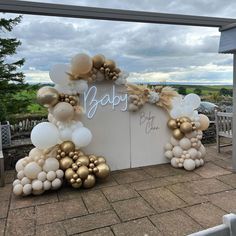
{"x": 185, "y": 148}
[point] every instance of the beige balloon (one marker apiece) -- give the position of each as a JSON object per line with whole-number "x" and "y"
{"x": 81, "y": 64}
{"x": 204, "y": 122}
{"x": 98, "y": 61}
{"x": 63, "y": 111}
{"x": 47, "y": 96}
{"x": 110, "y": 64}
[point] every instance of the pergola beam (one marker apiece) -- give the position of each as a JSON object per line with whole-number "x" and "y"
{"x": 61, "y": 10}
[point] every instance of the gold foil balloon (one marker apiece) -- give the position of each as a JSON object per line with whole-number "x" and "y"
{"x": 177, "y": 134}
{"x": 101, "y": 160}
{"x": 110, "y": 64}
{"x": 83, "y": 160}
{"x": 69, "y": 173}
{"x": 89, "y": 182}
{"x": 98, "y": 61}
{"x": 83, "y": 172}
{"x": 81, "y": 64}
{"x": 204, "y": 122}
{"x": 67, "y": 147}
{"x": 103, "y": 170}
{"x": 172, "y": 124}
{"x": 47, "y": 96}
{"x": 76, "y": 185}
{"x": 186, "y": 127}
{"x": 65, "y": 163}
{"x": 184, "y": 119}
{"x": 63, "y": 111}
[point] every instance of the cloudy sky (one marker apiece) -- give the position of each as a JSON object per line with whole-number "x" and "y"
{"x": 149, "y": 52}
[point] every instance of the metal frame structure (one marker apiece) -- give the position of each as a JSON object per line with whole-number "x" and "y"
{"x": 61, "y": 10}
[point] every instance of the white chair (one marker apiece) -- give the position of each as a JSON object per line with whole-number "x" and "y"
{"x": 224, "y": 127}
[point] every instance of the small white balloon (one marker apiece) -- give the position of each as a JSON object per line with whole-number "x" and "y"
{"x": 189, "y": 164}
{"x": 25, "y": 181}
{"x": 60, "y": 174}
{"x": 81, "y": 137}
{"x": 15, "y": 182}
{"x": 35, "y": 152}
{"x": 65, "y": 134}
{"x": 32, "y": 170}
{"x": 169, "y": 154}
{"x": 174, "y": 162}
{"x": 42, "y": 176}
{"x": 47, "y": 185}
{"x": 37, "y": 185}
{"x": 202, "y": 149}
{"x": 51, "y": 164}
{"x": 51, "y": 175}
{"x": 27, "y": 189}
{"x": 193, "y": 153}
{"x": 201, "y": 162}
{"x": 174, "y": 141}
{"x": 20, "y": 174}
{"x": 197, "y": 162}
{"x": 177, "y": 151}
{"x": 19, "y": 165}
{"x": 168, "y": 146}
{"x": 56, "y": 183}
{"x": 18, "y": 189}
{"x": 58, "y": 74}
{"x": 185, "y": 143}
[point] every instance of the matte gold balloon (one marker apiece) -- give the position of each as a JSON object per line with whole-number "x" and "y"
{"x": 76, "y": 185}
{"x": 177, "y": 134}
{"x": 83, "y": 172}
{"x": 186, "y": 127}
{"x": 84, "y": 160}
{"x": 89, "y": 182}
{"x": 172, "y": 124}
{"x": 47, "y": 96}
{"x": 101, "y": 160}
{"x": 103, "y": 170}
{"x": 68, "y": 147}
{"x": 98, "y": 61}
{"x": 65, "y": 163}
{"x": 81, "y": 64}
{"x": 110, "y": 64}
{"x": 69, "y": 173}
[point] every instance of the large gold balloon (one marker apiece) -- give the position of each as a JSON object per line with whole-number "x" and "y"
{"x": 83, "y": 160}
{"x": 186, "y": 127}
{"x": 67, "y": 147}
{"x": 172, "y": 124}
{"x": 103, "y": 170}
{"x": 63, "y": 111}
{"x": 90, "y": 181}
{"x": 110, "y": 64}
{"x": 98, "y": 61}
{"x": 177, "y": 134}
{"x": 47, "y": 96}
{"x": 69, "y": 173}
{"x": 81, "y": 64}
{"x": 83, "y": 172}
{"x": 65, "y": 163}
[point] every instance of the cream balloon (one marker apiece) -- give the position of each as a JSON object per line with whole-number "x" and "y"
{"x": 47, "y": 185}
{"x": 189, "y": 164}
{"x": 56, "y": 184}
{"x": 35, "y": 152}
{"x": 193, "y": 153}
{"x": 185, "y": 143}
{"x": 169, "y": 154}
{"x": 19, "y": 165}
{"x": 174, "y": 162}
{"x": 81, "y": 64}
{"x": 204, "y": 122}
{"x": 18, "y": 189}
{"x": 63, "y": 111}
{"x": 37, "y": 185}
{"x": 168, "y": 146}
{"x": 177, "y": 151}
{"x": 42, "y": 176}
{"x": 27, "y": 189}
{"x": 58, "y": 74}
{"x": 32, "y": 170}
{"x": 51, "y": 175}
{"x": 51, "y": 164}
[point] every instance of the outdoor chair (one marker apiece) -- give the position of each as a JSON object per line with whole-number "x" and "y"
{"x": 2, "y": 175}
{"x": 224, "y": 127}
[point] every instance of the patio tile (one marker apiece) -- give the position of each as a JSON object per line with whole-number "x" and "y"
{"x": 208, "y": 186}
{"x": 228, "y": 179}
{"x": 124, "y": 177}
{"x": 186, "y": 177}
{"x": 95, "y": 201}
{"x": 68, "y": 193}
{"x": 150, "y": 183}
{"x": 103, "y": 183}
{"x": 4, "y": 209}
{"x": 5, "y": 192}
{"x": 163, "y": 170}
{"x": 132, "y": 209}
{"x": 52, "y": 229}
{"x": 138, "y": 227}
{"x": 90, "y": 222}
{"x": 119, "y": 192}
{"x": 21, "y": 222}
{"x": 21, "y": 202}
{"x": 175, "y": 223}
{"x": 225, "y": 200}
{"x": 210, "y": 170}
{"x": 2, "y": 226}
{"x": 162, "y": 199}
{"x": 185, "y": 192}
{"x": 227, "y": 164}
{"x": 206, "y": 214}
{"x": 98, "y": 232}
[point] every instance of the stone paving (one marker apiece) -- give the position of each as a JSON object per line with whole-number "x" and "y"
{"x": 156, "y": 200}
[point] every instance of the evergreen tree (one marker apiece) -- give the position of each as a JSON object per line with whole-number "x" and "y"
{"x": 8, "y": 46}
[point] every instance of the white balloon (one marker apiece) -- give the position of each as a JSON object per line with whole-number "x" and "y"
{"x": 197, "y": 162}
{"x": 47, "y": 185}
{"x": 60, "y": 174}
{"x": 32, "y": 170}
{"x": 65, "y": 134}
{"x": 19, "y": 165}
{"x": 37, "y": 185}
{"x": 193, "y": 153}
{"x": 18, "y": 189}
{"x": 168, "y": 146}
{"x": 63, "y": 89}
{"x": 58, "y": 74}
{"x": 51, "y": 175}
{"x": 176, "y": 112}
{"x": 27, "y": 189}
{"x": 45, "y": 135}
{"x": 177, "y": 151}
{"x": 20, "y": 174}
{"x": 192, "y": 100}
{"x": 81, "y": 86}
{"x": 177, "y": 101}
{"x": 81, "y": 137}
{"x": 169, "y": 154}
{"x": 201, "y": 162}
{"x": 42, "y": 176}
{"x": 56, "y": 183}
{"x": 35, "y": 152}
{"x": 25, "y": 181}
{"x": 187, "y": 110}
{"x": 51, "y": 164}
{"x": 185, "y": 143}
{"x": 174, "y": 162}
{"x": 202, "y": 149}
{"x": 189, "y": 164}
{"x": 174, "y": 141}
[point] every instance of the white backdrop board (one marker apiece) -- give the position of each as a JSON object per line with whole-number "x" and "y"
{"x": 124, "y": 138}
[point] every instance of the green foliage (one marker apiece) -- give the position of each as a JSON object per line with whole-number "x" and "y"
{"x": 198, "y": 91}
{"x": 182, "y": 90}
{"x": 3, "y": 112}
{"x": 226, "y": 92}
{"x": 9, "y": 71}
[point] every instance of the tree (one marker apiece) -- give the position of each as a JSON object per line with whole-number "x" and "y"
{"x": 8, "y": 46}
{"x": 198, "y": 91}
{"x": 226, "y": 92}
{"x": 182, "y": 90}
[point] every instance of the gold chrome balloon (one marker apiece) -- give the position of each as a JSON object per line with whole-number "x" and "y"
{"x": 98, "y": 61}
{"x": 69, "y": 173}
{"x": 89, "y": 182}
{"x": 65, "y": 163}
{"x": 101, "y": 160}
{"x": 172, "y": 124}
{"x": 83, "y": 172}
{"x": 76, "y": 185}
{"x": 177, "y": 134}
{"x": 186, "y": 127}
{"x": 47, "y": 96}
{"x": 103, "y": 171}
{"x": 84, "y": 160}
{"x": 184, "y": 119}
{"x": 68, "y": 147}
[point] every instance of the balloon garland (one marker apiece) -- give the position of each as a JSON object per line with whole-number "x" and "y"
{"x": 57, "y": 155}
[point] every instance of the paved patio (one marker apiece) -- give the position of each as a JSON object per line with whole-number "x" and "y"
{"x": 156, "y": 200}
